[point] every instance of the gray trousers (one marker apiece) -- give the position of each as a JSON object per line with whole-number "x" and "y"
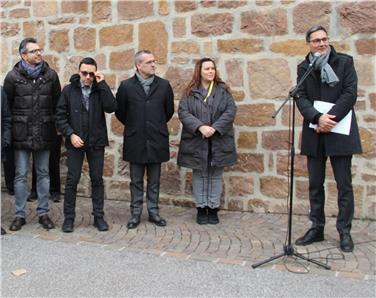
{"x": 207, "y": 187}
{"x": 153, "y": 174}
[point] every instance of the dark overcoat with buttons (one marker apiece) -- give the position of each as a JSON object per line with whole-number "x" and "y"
{"x": 343, "y": 95}
{"x": 145, "y": 117}
{"x": 32, "y": 102}
{"x": 68, "y": 112}
{"x": 219, "y": 112}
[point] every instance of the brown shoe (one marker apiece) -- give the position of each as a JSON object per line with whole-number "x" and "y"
{"x": 17, "y": 224}
{"x": 46, "y": 222}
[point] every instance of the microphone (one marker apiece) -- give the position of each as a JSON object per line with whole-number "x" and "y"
{"x": 316, "y": 56}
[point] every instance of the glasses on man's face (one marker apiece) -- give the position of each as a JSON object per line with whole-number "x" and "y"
{"x": 35, "y": 51}
{"x": 319, "y": 40}
{"x": 86, "y": 73}
{"x": 151, "y": 62}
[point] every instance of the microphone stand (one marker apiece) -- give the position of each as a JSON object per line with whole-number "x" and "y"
{"x": 288, "y": 249}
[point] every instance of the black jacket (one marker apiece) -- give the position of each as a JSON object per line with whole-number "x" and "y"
{"x": 32, "y": 103}
{"x": 145, "y": 119}
{"x": 68, "y": 115}
{"x": 219, "y": 112}
{"x": 343, "y": 95}
{"x": 6, "y": 124}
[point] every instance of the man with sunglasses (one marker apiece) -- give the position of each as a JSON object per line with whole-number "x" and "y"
{"x": 81, "y": 119}
{"x": 33, "y": 90}
{"x": 145, "y": 105}
{"x": 332, "y": 83}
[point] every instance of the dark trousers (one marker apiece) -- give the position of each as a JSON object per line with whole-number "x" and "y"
{"x": 54, "y": 167}
{"x": 9, "y": 169}
{"x": 95, "y": 158}
{"x": 342, "y": 172}
{"x": 153, "y": 174}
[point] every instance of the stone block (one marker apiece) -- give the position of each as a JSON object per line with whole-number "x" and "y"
{"x": 300, "y": 165}
{"x": 59, "y": 40}
{"x": 242, "y": 45}
{"x": 266, "y": 22}
{"x": 366, "y": 46}
{"x": 309, "y": 13}
{"x": 84, "y": 38}
{"x": 75, "y": 6}
{"x": 35, "y": 28}
{"x": 163, "y": 8}
{"x": 275, "y": 140}
{"x": 247, "y": 140}
{"x": 365, "y": 69}
{"x": 116, "y": 35}
{"x": 19, "y": 13}
{"x": 179, "y": 79}
{"x": 290, "y": 47}
{"x": 44, "y": 8}
{"x": 255, "y": 115}
{"x": 178, "y": 27}
{"x": 231, "y": 3}
{"x": 189, "y": 47}
{"x": 240, "y": 186}
{"x": 274, "y": 187}
{"x": 234, "y": 70}
{"x": 170, "y": 179}
{"x": 101, "y": 11}
{"x": 212, "y": 24}
{"x": 357, "y": 17}
{"x": 131, "y": 10}
{"x": 368, "y": 141}
{"x": 153, "y": 36}
{"x": 185, "y": 5}
{"x": 264, "y": 71}
{"x": 372, "y": 100}
{"x": 174, "y": 126}
{"x": 123, "y": 60}
{"x": 248, "y": 163}
{"x": 9, "y": 29}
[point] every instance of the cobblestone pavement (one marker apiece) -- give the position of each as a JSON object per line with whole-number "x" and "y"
{"x": 241, "y": 238}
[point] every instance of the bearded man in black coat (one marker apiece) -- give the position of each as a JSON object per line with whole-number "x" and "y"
{"x": 333, "y": 82}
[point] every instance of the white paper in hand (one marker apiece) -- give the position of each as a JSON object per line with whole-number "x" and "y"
{"x": 342, "y": 127}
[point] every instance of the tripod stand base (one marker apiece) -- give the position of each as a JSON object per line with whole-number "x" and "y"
{"x": 288, "y": 250}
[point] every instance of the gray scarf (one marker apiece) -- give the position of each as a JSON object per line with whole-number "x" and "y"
{"x": 327, "y": 73}
{"x": 145, "y": 83}
{"x": 32, "y": 71}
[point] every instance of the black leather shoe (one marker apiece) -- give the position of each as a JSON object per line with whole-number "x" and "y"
{"x": 312, "y": 235}
{"x": 133, "y": 222}
{"x": 100, "y": 224}
{"x": 3, "y": 232}
{"x": 46, "y": 222}
{"x": 213, "y": 216}
{"x": 202, "y": 216}
{"x": 68, "y": 225}
{"x": 346, "y": 243}
{"x": 17, "y": 224}
{"x": 157, "y": 220}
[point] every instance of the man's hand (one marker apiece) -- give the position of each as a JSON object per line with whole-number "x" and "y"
{"x": 99, "y": 76}
{"x": 206, "y": 131}
{"x": 326, "y": 123}
{"x": 76, "y": 141}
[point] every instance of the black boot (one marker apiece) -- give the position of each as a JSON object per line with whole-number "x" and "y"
{"x": 202, "y": 216}
{"x": 3, "y": 232}
{"x": 213, "y": 216}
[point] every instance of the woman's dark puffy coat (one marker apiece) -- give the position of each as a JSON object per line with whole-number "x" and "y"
{"x": 219, "y": 113}
{"x": 32, "y": 103}
{"x": 68, "y": 115}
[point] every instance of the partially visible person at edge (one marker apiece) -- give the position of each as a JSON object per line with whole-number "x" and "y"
{"x": 33, "y": 89}
{"x": 145, "y": 105}
{"x": 6, "y": 130}
{"x": 207, "y": 144}
{"x": 332, "y": 80}
{"x": 81, "y": 119}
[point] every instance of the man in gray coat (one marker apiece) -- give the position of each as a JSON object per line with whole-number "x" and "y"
{"x": 145, "y": 105}
{"x": 334, "y": 82}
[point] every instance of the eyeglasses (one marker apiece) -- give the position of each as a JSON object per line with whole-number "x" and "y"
{"x": 151, "y": 62}
{"x": 319, "y": 40}
{"x": 35, "y": 51}
{"x": 85, "y": 74}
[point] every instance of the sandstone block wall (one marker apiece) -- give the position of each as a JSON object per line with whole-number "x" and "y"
{"x": 257, "y": 44}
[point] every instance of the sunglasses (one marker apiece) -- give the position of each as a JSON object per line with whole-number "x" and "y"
{"x": 85, "y": 74}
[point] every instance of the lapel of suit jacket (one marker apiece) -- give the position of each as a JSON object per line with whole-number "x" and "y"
{"x": 138, "y": 87}
{"x": 153, "y": 86}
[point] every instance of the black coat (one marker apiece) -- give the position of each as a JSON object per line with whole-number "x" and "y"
{"x": 343, "y": 95}
{"x": 68, "y": 115}
{"x": 32, "y": 103}
{"x": 6, "y": 124}
{"x": 219, "y": 112}
{"x": 145, "y": 120}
